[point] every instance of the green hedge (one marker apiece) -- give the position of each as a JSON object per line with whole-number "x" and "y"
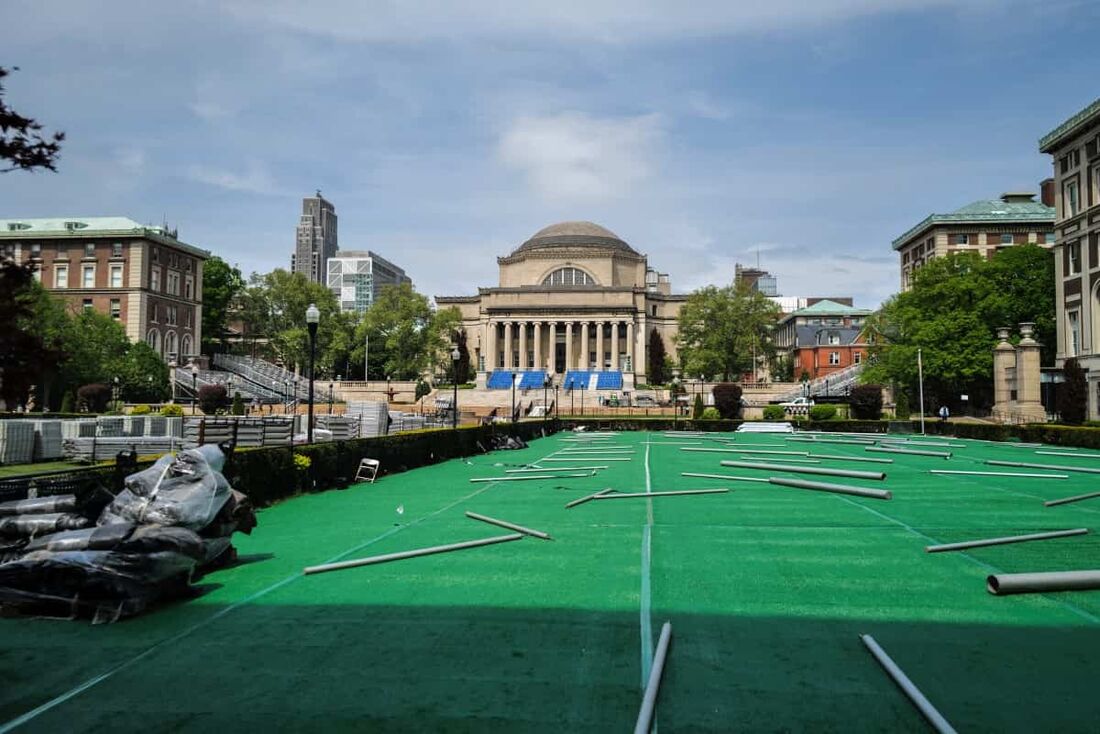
{"x": 267, "y": 475}
{"x": 1081, "y": 436}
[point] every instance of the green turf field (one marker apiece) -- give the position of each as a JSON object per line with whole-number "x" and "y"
{"x": 767, "y": 589}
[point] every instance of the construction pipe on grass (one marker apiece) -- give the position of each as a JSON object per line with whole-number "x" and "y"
{"x": 910, "y": 452}
{"x": 589, "y": 458}
{"x": 934, "y": 717}
{"x": 508, "y": 525}
{"x": 862, "y": 459}
{"x": 1002, "y": 584}
{"x": 877, "y": 494}
{"x": 999, "y": 474}
{"x": 533, "y": 476}
{"x": 587, "y": 498}
{"x": 411, "y": 554}
{"x": 649, "y": 700}
{"x": 1075, "y": 498}
{"x": 731, "y": 477}
{"x": 1069, "y": 453}
{"x": 554, "y": 468}
{"x": 820, "y": 471}
{"x": 832, "y": 440}
{"x": 671, "y": 493}
{"x": 1005, "y": 540}
{"x": 752, "y": 451}
{"x": 1052, "y": 467}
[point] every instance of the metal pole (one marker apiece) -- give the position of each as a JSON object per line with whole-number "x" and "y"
{"x": 934, "y": 717}
{"x": 649, "y": 700}
{"x": 920, "y": 378}
{"x": 312, "y": 354}
{"x": 513, "y": 375}
{"x": 454, "y": 404}
{"x": 366, "y": 360}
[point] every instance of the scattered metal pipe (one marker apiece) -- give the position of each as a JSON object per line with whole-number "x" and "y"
{"x": 878, "y": 494}
{"x": 934, "y": 717}
{"x": 1002, "y": 584}
{"x": 911, "y": 452}
{"x": 588, "y": 498}
{"x": 821, "y": 471}
{"x": 533, "y": 476}
{"x": 1075, "y": 498}
{"x": 843, "y": 441}
{"x": 554, "y": 468}
{"x": 1069, "y": 453}
{"x": 1005, "y": 540}
{"x": 649, "y": 700}
{"x": 722, "y": 476}
{"x": 1052, "y": 467}
{"x": 864, "y": 459}
{"x": 592, "y": 458}
{"x": 999, "y": 474}
{"x": 625, "y": 495}
{"x": 508, "y": 525}
{"x": 410, "y": 554}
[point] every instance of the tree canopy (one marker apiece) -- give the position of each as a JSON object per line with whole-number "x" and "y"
{"x": 951, "y": 314}
{"x": 719, "y": 329}
{"x": 407, "y": 337}
{"x": 23, "y": 146}
{"x": 221, "y": 286}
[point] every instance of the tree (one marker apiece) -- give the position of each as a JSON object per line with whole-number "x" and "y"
{"x": 237, "y": 408}
{"x": 866, "y": 402}
{"x": 407, "y": 338}
{"x": 951, "y": 315}
{"x": 93, "y": 398}
{"x": 1073, "y": 396}
{"x": 727, "y": 398}
{"x": 22, "y": 143}
{"x": 143, "y": 375}
{"x": 721, "y": 327}
{"x": 697, "y": 408}
{"x": 274, "y": 306}
{"x": 27, "y": 351}
{"x": 462, "y": 370}
{"x": 212, "y": 399}
{"x": 222, "y": 284}
{"x": 658, "y": 358}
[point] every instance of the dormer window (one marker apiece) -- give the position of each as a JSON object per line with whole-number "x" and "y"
{"x": 71, "y": 226}
{"x": 18, "y": 226}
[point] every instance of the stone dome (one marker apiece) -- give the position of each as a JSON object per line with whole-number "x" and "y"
{"x": 574, "y": 234}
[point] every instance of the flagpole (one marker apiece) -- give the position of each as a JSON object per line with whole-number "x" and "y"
{"x": 920, "y": 377}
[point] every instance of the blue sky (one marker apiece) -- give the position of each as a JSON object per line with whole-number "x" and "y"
{"x": 703, "y": 133}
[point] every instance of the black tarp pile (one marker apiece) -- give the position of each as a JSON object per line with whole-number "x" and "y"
{"x": 500, "y": 441}
{"x": 110, "y": 557}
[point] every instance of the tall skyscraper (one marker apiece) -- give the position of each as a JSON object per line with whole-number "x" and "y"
{"x": 315, "y": 242}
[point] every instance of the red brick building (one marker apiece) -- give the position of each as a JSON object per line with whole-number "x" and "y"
{"x": 823, "y": 338}
{"x": 141, "y": 276}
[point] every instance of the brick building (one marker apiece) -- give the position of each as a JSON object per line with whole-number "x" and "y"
{"x": 822, "y": 338}
{"x": 143, "y": 277}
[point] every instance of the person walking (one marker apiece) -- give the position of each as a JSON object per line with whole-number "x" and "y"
{"x": 944, "y": 413}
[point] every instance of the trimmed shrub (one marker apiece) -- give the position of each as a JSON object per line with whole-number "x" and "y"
{"x": 901, "y": 406}
{"x": 727, "y": 398}
{"x": 711, "y": 414}
{"x": 238, "y": 404}
{"x": 213, "y": 398}
{"x": 93, "y": 398}
{"x": 172, "y": 411}
{"x": 697, "y": 408}
{"x": 822, "y": 412}
{"x": 774, "y": 412}
{"x": 866, "y": 402}
{"x": 1073, "y": 395}
{"x": 141, "y": 410}
{"x": 68, "y": 404}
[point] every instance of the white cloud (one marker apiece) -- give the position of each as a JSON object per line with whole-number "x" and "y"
{"x": 255, "y": 180}
{"x": 573, "y": 155}
{"x": 605, "y": 21}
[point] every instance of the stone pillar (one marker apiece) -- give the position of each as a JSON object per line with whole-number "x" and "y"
{"x": 599, "y": 346}
{"x": 1028, "y": 401}
{"x": 538, "y": 346}
{"x": 553, "y": 346}
{"x": 490, "y": 346}
{"x": 508, "y": 345}
{"x": 615, "y": 366}
{"x": 523, "y": 345}
{"x": 569, "y": 345}
{"x": 1004, "y": 357}
{"x": 583, "y": 362}
{"x": 630, "y": 345}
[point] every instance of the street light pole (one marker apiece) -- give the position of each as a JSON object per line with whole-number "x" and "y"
{"x": 513, "y": 374}
{"x": 330, "y": 397}
{"x": 455, "y": 356}
{"x": 313, "y": 316}
{"x": 675, "y": 398}
{"x": 194, "y": 386}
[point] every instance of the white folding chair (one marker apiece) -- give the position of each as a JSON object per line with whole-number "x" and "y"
{"x": 368, "y": 470}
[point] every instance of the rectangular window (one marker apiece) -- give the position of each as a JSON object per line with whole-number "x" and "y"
{"x": 1007, "y": 239}
{"x": 1048, "y": 238}
{"x": 857, "y": 358}
{"x": 154, "y": 280}
{"x": 653, "y": 310}
{"x": 1073, "y": 322}
{"x": 155, "y": 254}
{"x": 60, "y": 276}
{"x": 962, "y": 239}
{"x": 190, "y": 288}
{"x": 116, "y": 249}
{"x": 116, "y": 276}
{"x": 88, "y": 304}
{"x": 153, "y": 313}
{"x": 36, "y": 250}
{"x": 1074, "y": 252}
{"x": 89, "y": 249}
{"x": 87, "y": 277}
{"x": 1072, "y": 204}
{"x": 834, "y": 338}
{"x": 62, "y": 250}
{"x": 116, "y": 309}
{"x": 834, "y": 358}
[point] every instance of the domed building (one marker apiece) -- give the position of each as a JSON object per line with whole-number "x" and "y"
{"x": 574, "y": 300}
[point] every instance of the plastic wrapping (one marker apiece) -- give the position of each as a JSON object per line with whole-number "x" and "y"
{"x": 183, "y": 491}
{"x": 30, "y": 526}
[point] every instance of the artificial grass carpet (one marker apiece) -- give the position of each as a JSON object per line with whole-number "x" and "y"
{"x": 767, "y": 589}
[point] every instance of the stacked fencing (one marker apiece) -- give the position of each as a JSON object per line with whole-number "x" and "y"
{"x": 16, "y": 441}
{"x": 241, "y": 431}
{"x": 372, "y": 417}
{"x": 95, "y": 439}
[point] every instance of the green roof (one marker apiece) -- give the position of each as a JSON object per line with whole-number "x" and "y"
{"x": 829, "y": 308}
{"x": 91, "y": 227}
{"x": 1009, "y": 209}
{"x": 1070, "y": 126}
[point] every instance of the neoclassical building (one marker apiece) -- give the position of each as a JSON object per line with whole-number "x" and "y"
{"x": 574, "y": 300}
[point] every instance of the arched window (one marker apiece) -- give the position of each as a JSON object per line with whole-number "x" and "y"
{"x": 153, "y": 340}
{"x": 170, "y": 345}
{"x": 568, "y": 276}
{"x": 185, "y": 346}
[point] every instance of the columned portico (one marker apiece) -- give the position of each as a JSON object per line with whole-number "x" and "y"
{"x": 508, "y": 361}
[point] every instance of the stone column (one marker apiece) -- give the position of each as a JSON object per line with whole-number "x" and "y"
{"x": 523, "y": 345}
{"x": 583, "y": 362}
{"x": 508, "y": 345}
{"x": 599, "y": 346}
{"x": 538, "y": 346}
{"x": 569, "y": 345}
{"x": 1028, "y": 401}
{"x": 553, "y": 346}
{"x": 615, "y": 366}
{"x": 490, "y": 346}
{"x": 630, "y": 345}
{"x": 1004, "y": 357}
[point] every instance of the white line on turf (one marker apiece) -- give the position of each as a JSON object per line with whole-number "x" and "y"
{"x": 646, "y": 600}
{"x": 96, "y": 680}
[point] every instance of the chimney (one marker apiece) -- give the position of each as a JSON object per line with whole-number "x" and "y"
{"x": 1046, "y": 192}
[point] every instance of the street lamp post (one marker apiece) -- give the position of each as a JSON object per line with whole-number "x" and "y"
{"x": 545, "y": 407}
{"x": 194, "y": 386}
{"x": 675, "y": 398}
{"x": 330, "y": 397}
{"x": 115, "y": 393}
{"x": 513, "y": 376}
{"x": 171, "y": 377}
{"x": 455, "y": 356}
{"x": 313, "y": 315}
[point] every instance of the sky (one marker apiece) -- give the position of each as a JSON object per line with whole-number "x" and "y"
{"x": 806, "y": 133}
